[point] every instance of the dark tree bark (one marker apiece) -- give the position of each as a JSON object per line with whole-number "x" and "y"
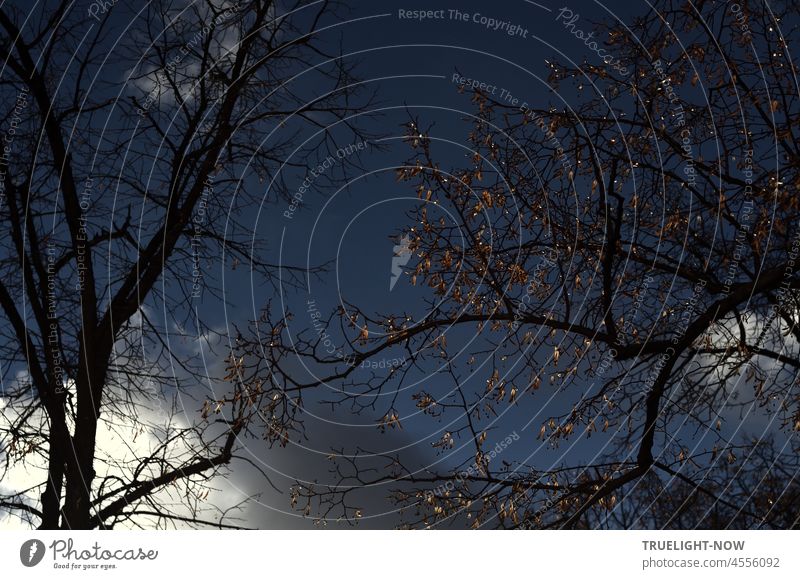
{"x": 103, "y": 187}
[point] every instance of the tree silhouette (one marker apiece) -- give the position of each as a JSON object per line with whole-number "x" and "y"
{"x": 620, "y": 275}
{"x": 132, "y": 138}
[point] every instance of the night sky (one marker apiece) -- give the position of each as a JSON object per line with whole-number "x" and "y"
{"x": 420, "y": 69}
{"x": 416, "y": 68}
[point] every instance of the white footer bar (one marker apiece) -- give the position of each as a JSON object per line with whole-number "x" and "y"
{"x": 400, "y": 554}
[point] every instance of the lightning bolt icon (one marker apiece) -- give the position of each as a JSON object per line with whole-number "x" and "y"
{"x": 402, "y": 255}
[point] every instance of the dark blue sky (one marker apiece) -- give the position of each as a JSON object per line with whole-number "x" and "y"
{"x": 412, "y": 65}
